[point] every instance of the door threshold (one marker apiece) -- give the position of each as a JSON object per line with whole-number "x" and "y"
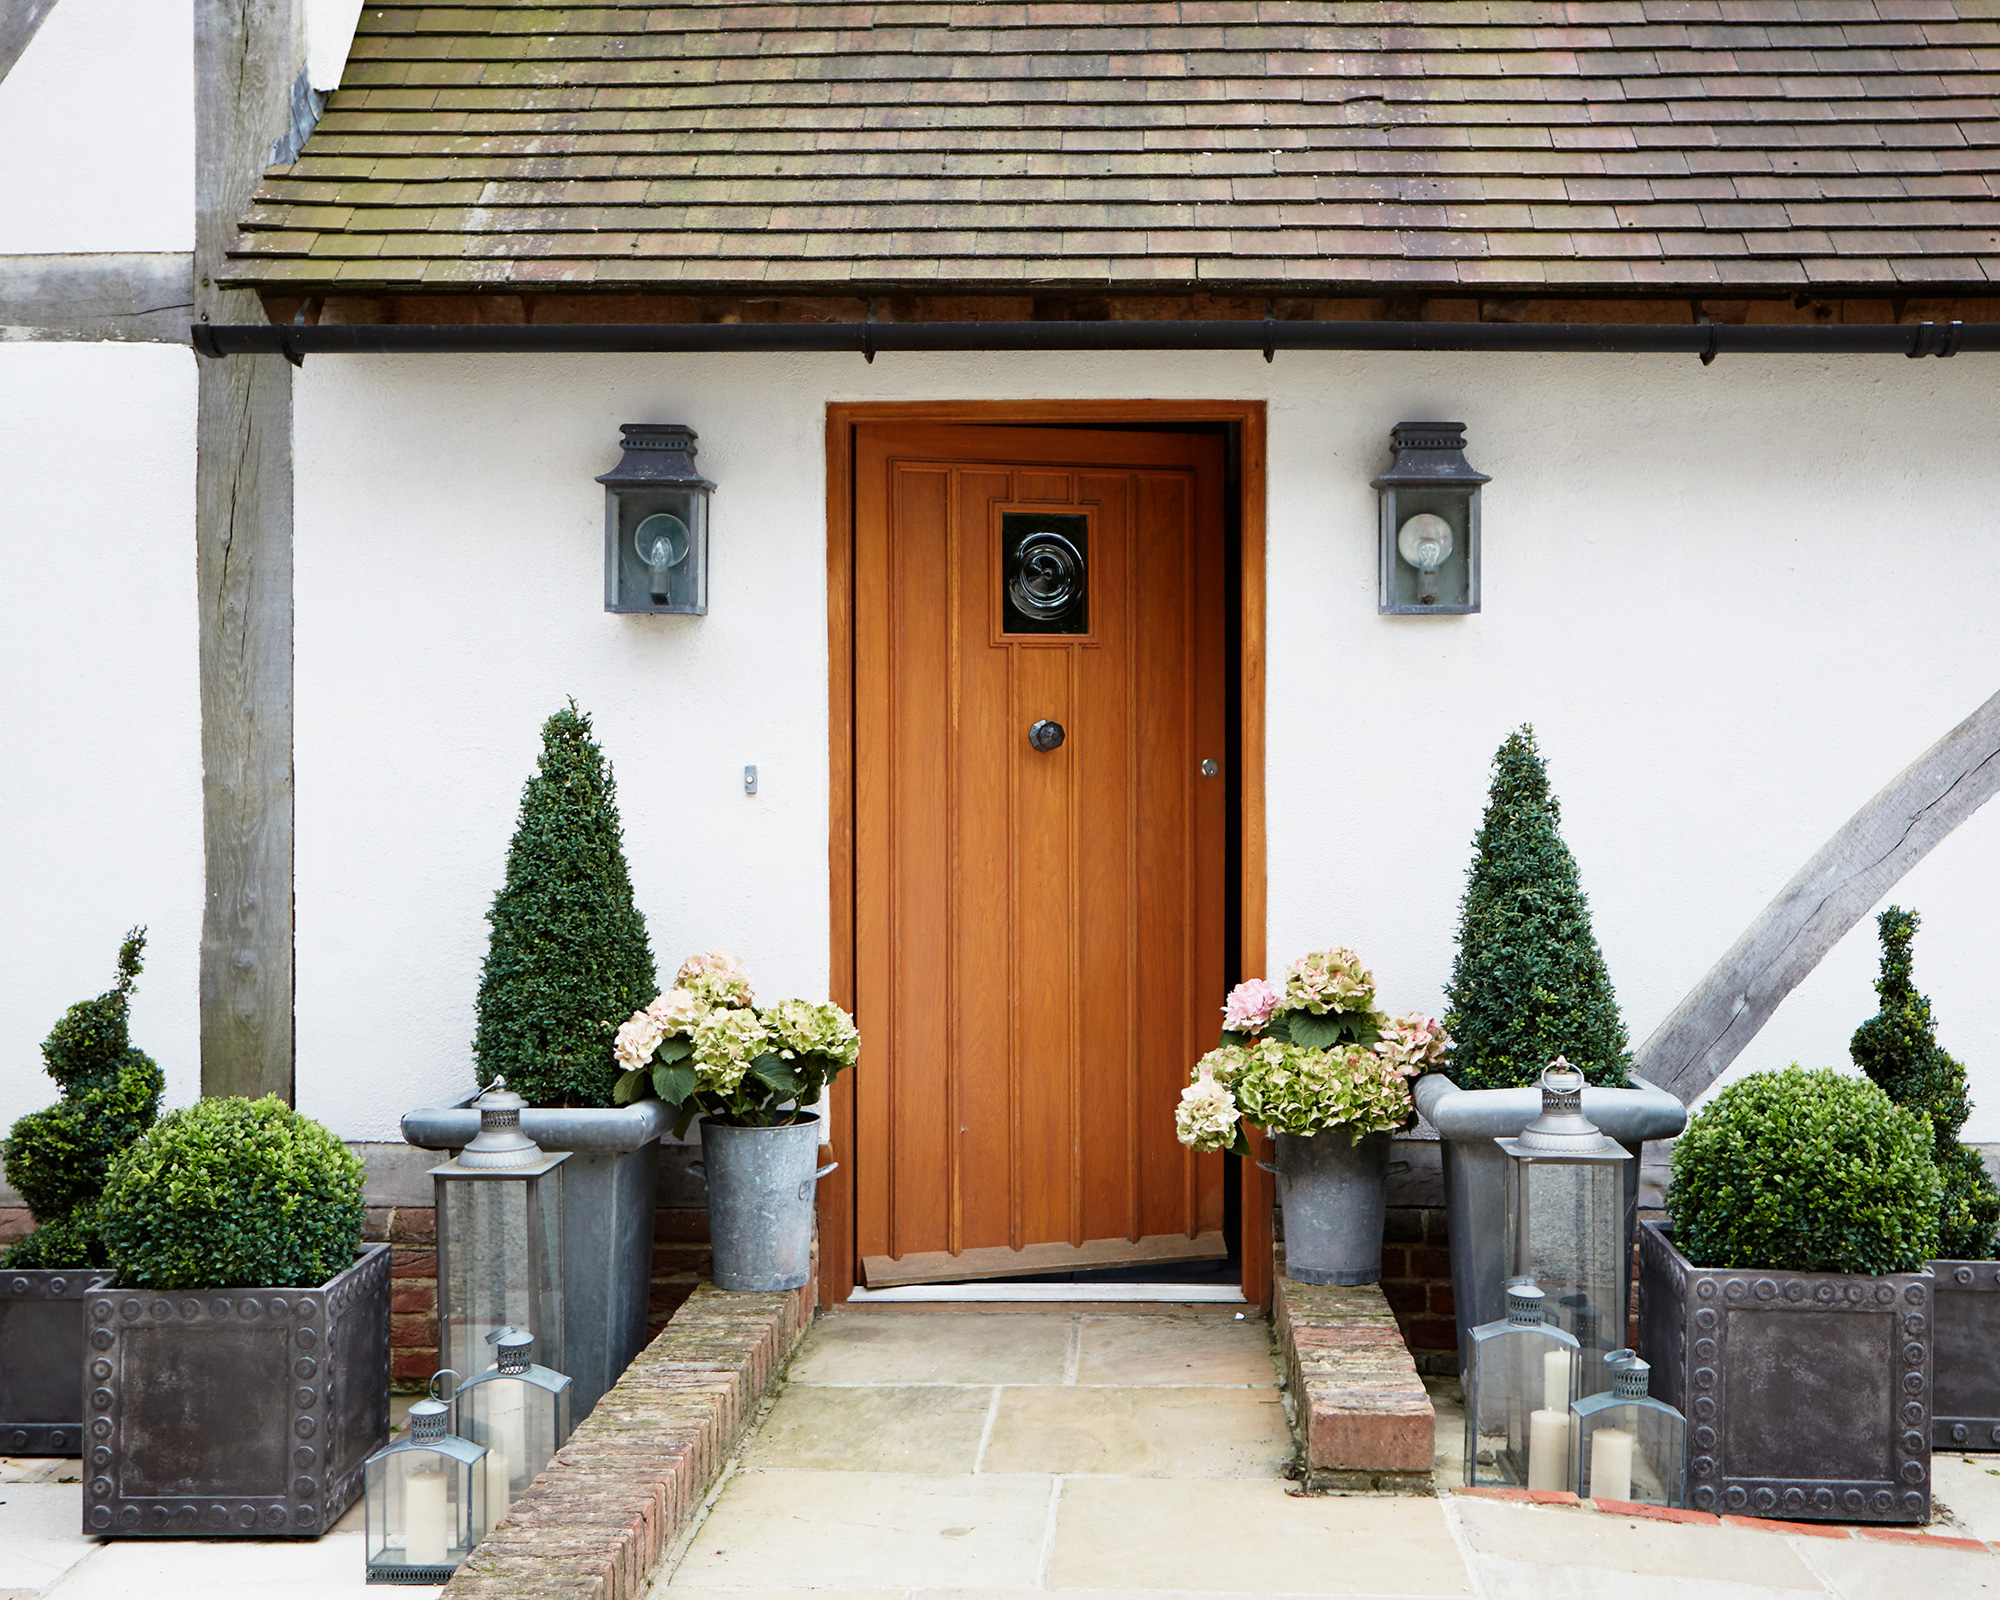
{"x": 1053, "y": 1293}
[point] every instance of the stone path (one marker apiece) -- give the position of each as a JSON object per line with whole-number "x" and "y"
{"x": 1108, "y": 1455}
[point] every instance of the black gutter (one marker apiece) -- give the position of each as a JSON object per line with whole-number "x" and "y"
{"x": 1707, "y": 340}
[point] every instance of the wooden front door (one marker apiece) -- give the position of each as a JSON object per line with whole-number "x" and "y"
{"x": 1041, "y": 780}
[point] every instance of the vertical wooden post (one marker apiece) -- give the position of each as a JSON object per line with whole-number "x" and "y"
{"x": 247, "y": 56}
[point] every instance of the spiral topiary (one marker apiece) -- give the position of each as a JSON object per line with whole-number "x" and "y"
{"x": 233, "y": 1194}
{"x": 1799, "y": 1171}
{"x": 57, "y": 1158}
{"x": 1898, "y": 1049}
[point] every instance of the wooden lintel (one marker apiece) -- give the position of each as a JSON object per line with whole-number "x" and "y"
{"x": 147, "y": 299}
{"x": 1034, "y": 1260}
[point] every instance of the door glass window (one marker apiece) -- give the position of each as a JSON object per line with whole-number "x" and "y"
{"x": 1044, "y": 562}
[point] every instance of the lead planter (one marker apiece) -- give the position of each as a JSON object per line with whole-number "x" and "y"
{"x": 1966, "y": 1356}
{"x": 761, "y": 1185}
{"x": 608, "y": 1207}
{"x": 1333, "y": 1190}
{"x": 1475, "y": 1175}
{"x": 246, "y": 1413}
{"x": 41, "y": 1358}
{"x": 1807, "y": 1394}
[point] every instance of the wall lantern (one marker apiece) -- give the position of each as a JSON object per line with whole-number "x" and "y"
{"x": 1567, "y": 1221}
{"x": 426, "y": 1499}
{"x": 1627, "y": 1445}
{"x": 656, "y": 524}
{"x": 519, "y": 1412}
{"x": 1429, "y": 561}
{"x": 1518, "y": 1390}
{"x": 499, "y": 1237}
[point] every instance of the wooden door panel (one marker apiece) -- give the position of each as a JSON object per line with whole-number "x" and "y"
{"x": 1039, "y": 934}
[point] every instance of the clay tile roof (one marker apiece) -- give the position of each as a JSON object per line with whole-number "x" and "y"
{"x": 1593, "y": 145}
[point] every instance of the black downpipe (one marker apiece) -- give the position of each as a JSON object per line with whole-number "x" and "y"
{"x": 869, "y": 339}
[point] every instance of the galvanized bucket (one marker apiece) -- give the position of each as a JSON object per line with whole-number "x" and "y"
{"x": 1333, "y": 1190}
{"x": 760, "y": 1202}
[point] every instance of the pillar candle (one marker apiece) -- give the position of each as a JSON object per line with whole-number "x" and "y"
{"x": 504, "y": 1403}
{"x": 1555, "y": 1382}
{"x": 1611, "y": 1464}
{"x": 426, "y": 1518}
{"x": 499, "y": 1488}
{"x": 1548, "y": 1450}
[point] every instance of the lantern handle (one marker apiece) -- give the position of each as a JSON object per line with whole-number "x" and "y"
{"x": 441, "y": 1373}
{"x": 499, "y": 1333}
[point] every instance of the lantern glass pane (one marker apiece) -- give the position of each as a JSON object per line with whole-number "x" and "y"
{"x": 425, "y": 1509}
{"x": 521, "y": 1423}
{"x": 1630, "y": 1450}
{"x": 499, "y": 1249}
{"x": 1454, "y": 584}
{"x": 1518, "y": 1389}
{"x": 1567, "y": 1220}
{"x": 658, "y": 550}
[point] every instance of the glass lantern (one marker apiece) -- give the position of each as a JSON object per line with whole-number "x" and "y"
{"x": 1428, "y": 562}
{"x": 426, "y": 1498}
{"x": 656, "y": 524}
{"x": 1519, "y": 1386}
{"x": 1568, "y": 1224}
{"x": 499, "y": 1237}
{"x": 519, "y": 1412}
{"x": 1626, "y": 1445}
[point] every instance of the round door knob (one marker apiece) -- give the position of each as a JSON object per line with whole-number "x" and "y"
{"x": 1045, "y": 735}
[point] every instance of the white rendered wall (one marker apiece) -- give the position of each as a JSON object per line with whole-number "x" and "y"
{"x": 100, "y": 765}
{"x": 97, "y": 131}
{"x": 1734, "y": 601}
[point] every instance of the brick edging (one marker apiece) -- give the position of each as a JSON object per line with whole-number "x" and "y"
{"x": 1817, "y": 1530}
{"x": 613, "y": 1502}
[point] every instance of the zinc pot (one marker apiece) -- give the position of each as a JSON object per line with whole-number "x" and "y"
{"x": 761, "y": 1185}
{"x": 233, "y": 1413}
{"x": 1475, "y": 1174}
{"x": 41, "y": 1358}
{"x": 608, "y": 1207}
{"x": 1333, "y": 1189}
{"x": 1807, "y": 1394}
{"x": 1966, "y": 1356}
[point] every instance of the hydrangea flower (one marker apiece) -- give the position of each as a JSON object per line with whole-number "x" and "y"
{"x": 716, "y": 978}
{"x": 726, "y": 1041}
{"x": 1207, "y": 1116}
{"x": 802, "y": 1028}
{"x": 1412, "y": 1043}
{"x": 677, "y": 1011}
{"x": 637, "y": 1039}
{"x": 1328, "y": 980}
{"x": 1250, "y": 1005}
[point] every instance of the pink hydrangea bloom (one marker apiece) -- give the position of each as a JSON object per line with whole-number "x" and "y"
{"x": 1250, "y": 1005}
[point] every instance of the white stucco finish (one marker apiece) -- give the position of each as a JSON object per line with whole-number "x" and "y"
{"x": 100, "y": 765}
{"x": 97, "y": 122}
{"x": 1734, "y": 601}
{"x": 330, "y": 28}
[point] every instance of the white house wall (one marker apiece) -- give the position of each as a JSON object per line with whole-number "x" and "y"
{"x": 1734, "y": 601}
{"x": 100, "y": 765}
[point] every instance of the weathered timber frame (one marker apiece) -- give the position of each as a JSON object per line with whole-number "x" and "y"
{"x": 839, "y": 1263}
{"x": 247, "y": 56}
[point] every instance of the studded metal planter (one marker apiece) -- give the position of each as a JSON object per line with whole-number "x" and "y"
{"x": 1807, "y": 1394}
{"x": 41, "y": 1359}
{"x": 1966, "y": 1408}
{"x": 212, "y": 1413}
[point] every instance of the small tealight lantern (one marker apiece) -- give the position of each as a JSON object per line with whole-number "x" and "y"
{"x": 1626, "y": 1445}
{"x": 1518, "y": 1389}
{"x": 519, "y": 1412}
{"x": 656, "y": 524}
{"x": 1429, "y": 557}
{"x": 426, "y": 1499}
{"x": 499, "y": 1237}
{"x": 1568, "y": 1225}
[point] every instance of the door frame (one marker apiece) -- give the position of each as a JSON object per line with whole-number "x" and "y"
{"x": 838, "y": 1264}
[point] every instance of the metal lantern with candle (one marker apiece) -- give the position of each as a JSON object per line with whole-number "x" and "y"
{"x": 499, "y": 1237}
{"x": 1518, "y": 1389}
{"x": 1625, "y": 1445}
{"x": 426, "y": 1499}
{"x": 1569, "y": 1225}
{"x": 519, "y": 1411}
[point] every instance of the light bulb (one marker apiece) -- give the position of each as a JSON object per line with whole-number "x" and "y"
{"x": 1425, "y": 543}
{"x": 663, "y": 544}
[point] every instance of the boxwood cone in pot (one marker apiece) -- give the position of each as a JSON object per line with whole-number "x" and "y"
{"x": 704, "y": 1048}
{"x": 1898, "y": 1049}
{"x": 1788, "y": 1312}
{"x": 1529, "y": 984}
{"x": 239, "y": 1361}
{"x": 1327, "y": 1075}
{"x": 56, "y": 1160}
